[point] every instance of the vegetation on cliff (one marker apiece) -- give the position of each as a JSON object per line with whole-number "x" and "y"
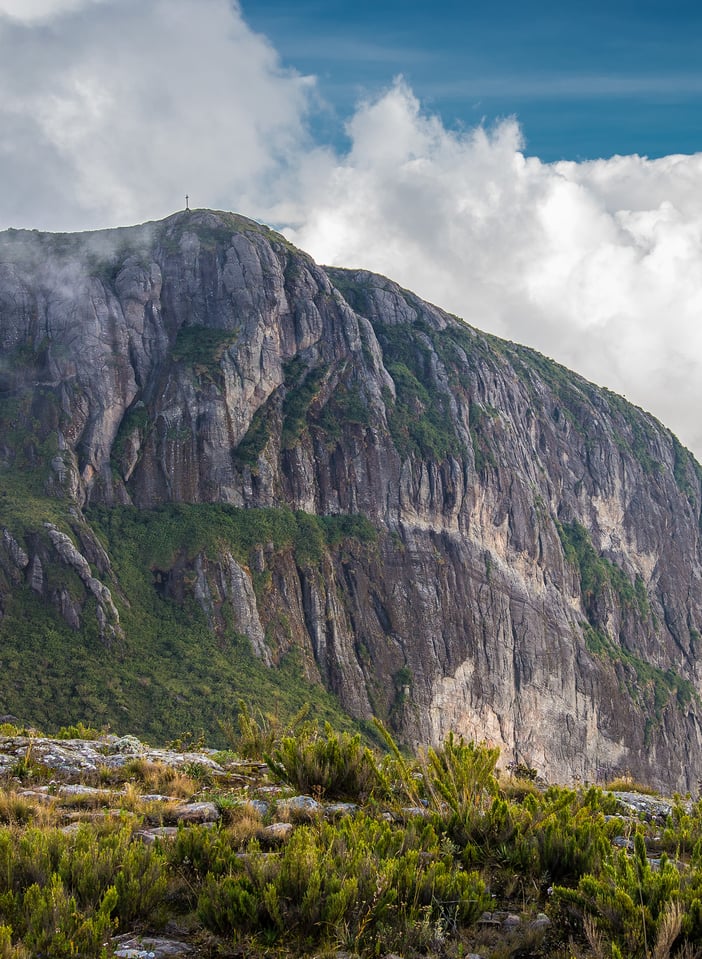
{"x": 173, "y": 667}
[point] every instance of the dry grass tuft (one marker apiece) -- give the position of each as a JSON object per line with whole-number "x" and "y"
{"x": 161, "y": 778}
{"x": 594, "y": 937}
{"x": 242, "y": 823}
{"x": 668, "y": 930}
{"x": 627, "y": 784}
{"x": 23, "y": 810}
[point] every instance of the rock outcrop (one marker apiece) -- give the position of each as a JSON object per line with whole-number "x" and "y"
{"x": 504, "y": 549}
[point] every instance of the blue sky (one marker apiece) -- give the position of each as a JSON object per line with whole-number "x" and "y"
{"x": 584, "y": 79}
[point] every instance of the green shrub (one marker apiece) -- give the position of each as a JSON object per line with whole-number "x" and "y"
{"x": 254, "y": 441}
{"x": 9, "y": 729}
{"x": 302, "y": 386}
{"x": 53, "y": 924}
{"x": 202, "y": 348}
{"x": 334, "y": 765}
{"x": 7, "y": 949}
{"x": 627, "y": 905}
{"x": 61, "y": 893}
{"x": 79, "y": 731}
{"x": 363, "y": 884}
{"x": 228, "y": 905}
{"x": 256, "y": 732}
{"x": 139, "y": 883}
{"x": 462, "y": 774}
{"x": 198, "y": 852}
{"x": 570, "y": 844}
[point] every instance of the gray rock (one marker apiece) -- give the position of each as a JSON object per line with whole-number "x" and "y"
{"x": 197, "y": 812}
{"x": 650, "y": 808}
{"x": 36, "y": 575}
{"x": 238, "y": 588}
{"x": 127, "y": 746}
{"x": 149, "y": 836}
{"x": 301, "y": 806}
{"x": 339, "y": 809}
{"x": 623, "y": 842}
{"x": 18, "y": 557}
{"x": 277, "y": 832}
{"x": 72, "y": 828}
{"x": 37, "y": 795}
{"x": 84, "y": 792}
{"x": 147, "y": 947}
{"x": 72, "y": 557}
{"x": 471, "y": 594}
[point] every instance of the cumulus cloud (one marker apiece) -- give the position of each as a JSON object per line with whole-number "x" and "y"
{"x": 112, "y": 111}
{"x": 598, "y": 264}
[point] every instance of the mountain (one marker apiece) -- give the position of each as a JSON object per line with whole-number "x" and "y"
{"x": 226, "y": 471}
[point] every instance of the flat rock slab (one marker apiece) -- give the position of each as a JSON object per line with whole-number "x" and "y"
{"x": 37, "y": 795}
{"x": 301, "y": 807}
{"x": 652, "y": 808}
{"x": 197, "y": 812}
{"x": 149, "y": 836}
{"x": 96, "y": 815}
{"x": 69, "y": 758}
{"x": 277, "y": 832}
{"x": 338, "y": 810}
{"x": 143, "y": 947}
{"x": 85, "y": 792}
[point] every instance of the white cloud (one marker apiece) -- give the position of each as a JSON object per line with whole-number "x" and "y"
{"x": 597, "y": 264}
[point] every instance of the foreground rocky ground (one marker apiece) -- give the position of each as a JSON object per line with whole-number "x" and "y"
{"x": 193, "y": 818}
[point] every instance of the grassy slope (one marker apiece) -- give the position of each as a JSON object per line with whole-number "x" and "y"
{"x": 171, "y": 674}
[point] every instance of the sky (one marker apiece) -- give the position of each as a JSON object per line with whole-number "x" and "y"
{"x": 535, "y": 168}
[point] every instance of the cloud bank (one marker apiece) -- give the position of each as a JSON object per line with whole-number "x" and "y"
{"x": 112, "y": 110}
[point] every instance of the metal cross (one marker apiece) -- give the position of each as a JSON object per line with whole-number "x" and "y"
{"x": 187, "y": 198}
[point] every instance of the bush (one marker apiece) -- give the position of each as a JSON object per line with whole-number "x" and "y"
{"x": 364, "y": 884}
{"x": 63, "y": 894}
{"x": 79, "y": 731}
{"x": 53, "y": 925}
{"x": 7, "y": 949}
{"x": 463, "y": 775}
{"x": 628, "y": 905}
{"x": 334, "y": 765}
{"x": 256, "y": 733}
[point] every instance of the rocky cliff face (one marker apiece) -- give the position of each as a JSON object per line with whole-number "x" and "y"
{"x": 451, "y": 531}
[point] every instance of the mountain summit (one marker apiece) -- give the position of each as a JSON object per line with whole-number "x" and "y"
{"x": 226, "y": 470}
